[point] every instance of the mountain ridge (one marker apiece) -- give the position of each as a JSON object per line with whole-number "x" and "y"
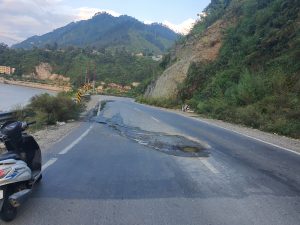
{"x": 105, "y": 31}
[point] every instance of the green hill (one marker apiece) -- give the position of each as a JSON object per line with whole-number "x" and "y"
{"x": 255, "y": 77}
{"x": 104, "y": 31}
{"x": 120, "y": 66}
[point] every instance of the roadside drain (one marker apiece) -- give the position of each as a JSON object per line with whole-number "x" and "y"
{"x": 166, "y": 143}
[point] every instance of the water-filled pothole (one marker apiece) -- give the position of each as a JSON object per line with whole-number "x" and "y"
{"x": 190, "y": 149}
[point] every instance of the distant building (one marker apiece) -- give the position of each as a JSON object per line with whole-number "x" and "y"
{"x": 157, "y": 57}
{"x": 100, "y": 89}
{"x": 7, "y": 70}
{"x": 126, "y": 88}
{"x": 135, "y": 84}
{"x": 139, "y": 54}
{"x": 113, "y": 85}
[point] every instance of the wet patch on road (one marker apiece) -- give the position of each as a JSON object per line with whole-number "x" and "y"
{"x": 170, "y": 144}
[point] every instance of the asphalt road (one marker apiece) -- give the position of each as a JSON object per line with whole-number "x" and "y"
{"x": 118, "y": 169}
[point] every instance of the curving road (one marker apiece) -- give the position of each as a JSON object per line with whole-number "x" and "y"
{"x": 113, "y": 170}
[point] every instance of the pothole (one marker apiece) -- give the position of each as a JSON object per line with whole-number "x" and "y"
{"x": 190, "y": 149}
{"x": 166, "y": 143}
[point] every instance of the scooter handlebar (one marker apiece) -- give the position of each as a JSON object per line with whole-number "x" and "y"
{"x": 31, "y": 123}
{"x": 25, "y": 125}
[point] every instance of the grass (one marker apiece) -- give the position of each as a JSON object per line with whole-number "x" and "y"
{"x": 160, "y": 102}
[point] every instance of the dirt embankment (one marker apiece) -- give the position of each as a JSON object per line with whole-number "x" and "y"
{"x": 202, "y": 49}
{"x": 35, "y": 85}
{"x": 42, "y": 73}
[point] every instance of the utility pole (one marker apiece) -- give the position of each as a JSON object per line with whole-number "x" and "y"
{"x": 94, "y": 83}
{"x": 88, "y": 72}
{"x": 85, "y": 76}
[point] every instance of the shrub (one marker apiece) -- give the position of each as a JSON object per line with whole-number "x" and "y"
{"x": 250, "y": 88}
{"x": 49, "y": 109}
{"x": 249, "y": 116}
{"x": 161, "y": 102}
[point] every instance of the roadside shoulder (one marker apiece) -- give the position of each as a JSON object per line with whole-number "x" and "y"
{"x": 287, "y": 143}
{"x": 53, "y": 134}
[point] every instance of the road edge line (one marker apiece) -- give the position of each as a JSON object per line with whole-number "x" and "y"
{"x": 70, "y": 146}
{"x": 48, "y": 163}
{"x": 200, "y": 120}
{"x": 245, "y": 135}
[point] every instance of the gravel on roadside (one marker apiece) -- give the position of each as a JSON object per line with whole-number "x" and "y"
{"x": 274, "y": 139}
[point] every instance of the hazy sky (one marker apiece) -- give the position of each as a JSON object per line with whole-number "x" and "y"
{"x": 21, "y": 19}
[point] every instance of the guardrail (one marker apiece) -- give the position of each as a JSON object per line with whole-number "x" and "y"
{"x": 6, "y": 116}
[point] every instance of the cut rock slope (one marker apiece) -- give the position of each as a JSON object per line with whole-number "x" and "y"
{"x": 203, "y": 49}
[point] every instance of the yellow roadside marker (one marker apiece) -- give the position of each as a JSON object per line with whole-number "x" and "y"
{"x": 82, "y": 91}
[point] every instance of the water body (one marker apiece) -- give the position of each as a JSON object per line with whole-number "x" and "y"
{"x": 13, "y": 95}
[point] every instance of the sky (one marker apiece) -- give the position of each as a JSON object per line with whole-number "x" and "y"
{"x": 21, "y": 19}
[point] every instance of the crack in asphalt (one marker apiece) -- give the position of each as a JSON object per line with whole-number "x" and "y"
{"x": 170, "y": 144}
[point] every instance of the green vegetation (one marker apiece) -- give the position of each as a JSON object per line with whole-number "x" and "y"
{"x": 46, "y": 109}
{"x": 120, "y": 67}
{"x": 50, "y": 109}
{"x": 105, "y": 32}
{"x": 256, "y": 79}
{"x": 160, "y": 102}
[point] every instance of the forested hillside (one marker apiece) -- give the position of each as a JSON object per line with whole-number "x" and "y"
{"x": 105, "y": 31}
{"x": 255, "y": 80}
{"x": 119, "y": 66}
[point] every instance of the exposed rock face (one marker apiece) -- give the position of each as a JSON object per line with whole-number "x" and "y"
{"x": 166, "y": 85}
{"x": 204, "y": 48}
{"x": 44, "y": 72}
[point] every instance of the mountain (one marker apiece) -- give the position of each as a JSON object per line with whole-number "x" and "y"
{"x": 184, "y": 28}
{"x": 77, "y": 65}
{"x": 240, "y": 63}
{"x": 104, "y": 31}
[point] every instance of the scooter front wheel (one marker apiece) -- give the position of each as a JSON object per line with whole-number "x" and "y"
{"x": 8, "y": 212}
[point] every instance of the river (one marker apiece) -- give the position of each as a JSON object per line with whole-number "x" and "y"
{"x": 12, "y": 95}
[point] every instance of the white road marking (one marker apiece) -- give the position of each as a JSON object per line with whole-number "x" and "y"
{"x": 68, "y": 148}
{"x": 49, "y": 163}
{"x": 204, "y": 144}
{"x": 245, "y": 135}
{"x": 99, "y": 108}
{"x": 209, "y": 166}
{"x": 137, "y": 109}
{"x": 155, "y": 119}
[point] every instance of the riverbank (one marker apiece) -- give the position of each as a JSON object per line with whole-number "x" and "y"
{"x": 16, "y": 96}
{"x": 35, "y": 85}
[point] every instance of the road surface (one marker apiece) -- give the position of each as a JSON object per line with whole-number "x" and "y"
{"x": 123, "y": 167}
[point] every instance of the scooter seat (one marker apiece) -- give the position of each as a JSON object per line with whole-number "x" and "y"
{"x": 9, "y": 155}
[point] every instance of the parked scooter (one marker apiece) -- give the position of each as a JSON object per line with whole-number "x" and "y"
{"x": 20, "y": 167}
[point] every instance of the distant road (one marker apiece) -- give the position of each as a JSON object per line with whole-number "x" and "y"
{"x": 104, "y": 173}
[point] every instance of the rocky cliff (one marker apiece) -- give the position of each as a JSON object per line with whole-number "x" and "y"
{"x": 203, "y": 48}
{"x": 44, "y": 72}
